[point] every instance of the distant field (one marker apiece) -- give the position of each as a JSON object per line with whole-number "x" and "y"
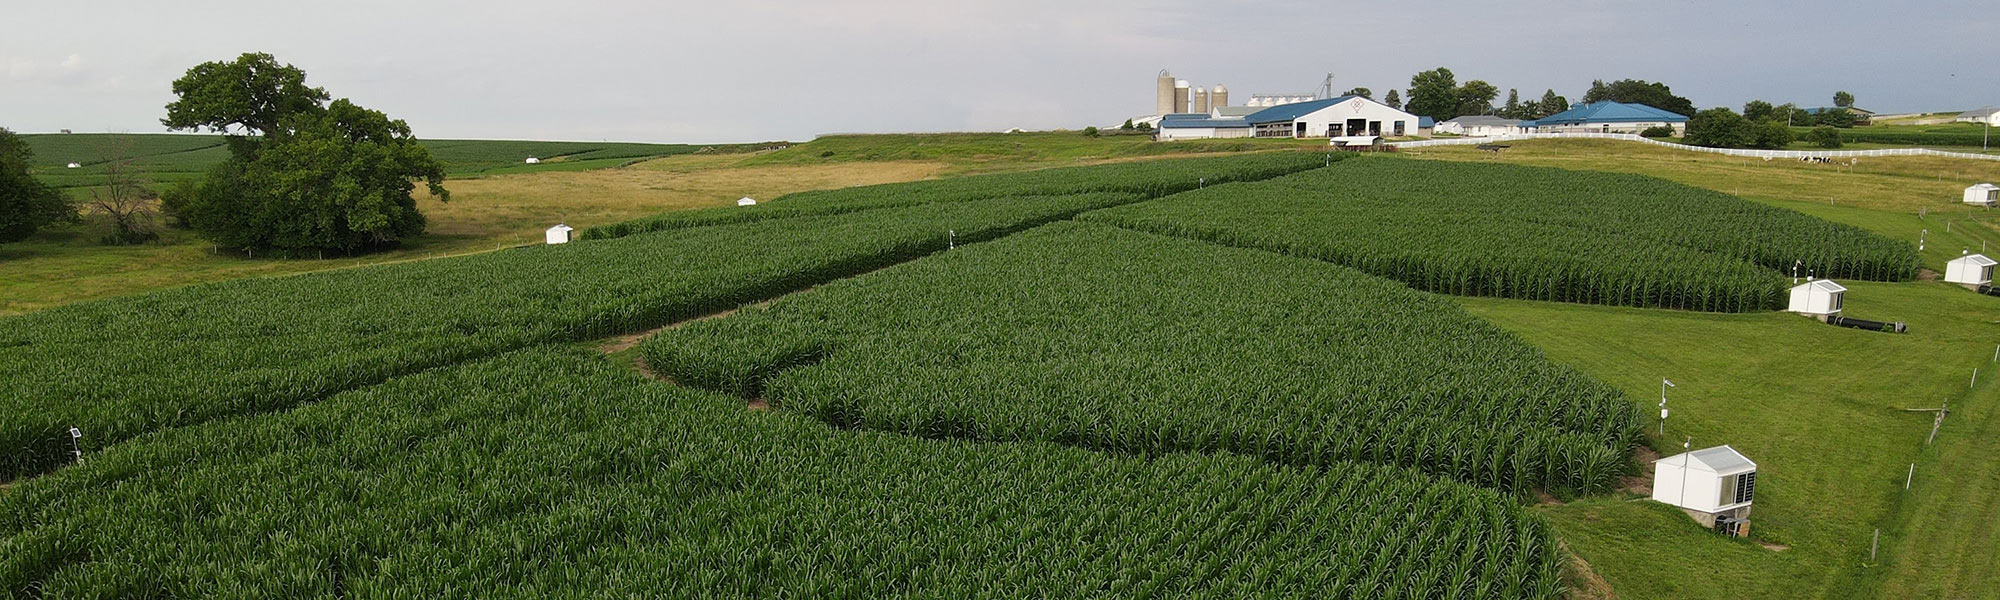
{"x": 985, "y": 152}
{"x": 1943, "y": 134}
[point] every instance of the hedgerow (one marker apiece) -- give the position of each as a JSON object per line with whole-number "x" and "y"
{"x": 1531, "y": 233}
{"x": 1104, "y": 338}
{"x": 551, "y": 473}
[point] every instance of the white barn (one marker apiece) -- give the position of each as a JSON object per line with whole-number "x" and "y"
{"x": 560, "y": 234}
{"x": 1970, "y": 270}
{"x": 1481, "y": 126}
{"x": 1332, "y": 118}
{"x": 1817, "y": 297}
{"x": 1983, "y": 194}
{"x": 1710, "y": 484}
{"x": 1988, "y": 116}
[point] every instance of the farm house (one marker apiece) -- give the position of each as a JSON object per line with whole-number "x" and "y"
{"x": 1481, "y": 126}
{"x": 1817, "y": 297}
{"x": 1988, "y": 116}
{"x": 1971, "y": 270}
{"x": 1333, "y": 117}
{"x": 1608, "y": 117}
{"x": 560, "y": 234}
{"x": 1984, "y": 194}
{"x": 1712, "y": 485}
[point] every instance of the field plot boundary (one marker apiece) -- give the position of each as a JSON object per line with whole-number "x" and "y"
{"x": 1726, "y": 151}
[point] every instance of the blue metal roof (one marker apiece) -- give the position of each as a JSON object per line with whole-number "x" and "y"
{"x": 1290, "y": 112}
{"x": 1609, "y": 112}
{"x": 1530, "y": 123}
{"x": 1424, "y": 122}
{"x": 1194, "y": 121}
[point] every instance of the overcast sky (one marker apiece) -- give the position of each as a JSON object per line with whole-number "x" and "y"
{"x": 751, "y": 70}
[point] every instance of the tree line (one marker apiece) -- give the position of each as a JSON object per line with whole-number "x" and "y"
{"x": 306, "y": 174}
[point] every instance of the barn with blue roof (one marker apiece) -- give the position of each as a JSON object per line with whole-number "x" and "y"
{"x": 1608, "y": 117}
{"x": 1334, "y": 117}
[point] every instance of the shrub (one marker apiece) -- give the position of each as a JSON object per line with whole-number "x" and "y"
{"x": 1658, "y": 131}
{"x": 1770, "y": 135}
{"x": 1090, "y": 131}
{"x": 1824, "y": 136}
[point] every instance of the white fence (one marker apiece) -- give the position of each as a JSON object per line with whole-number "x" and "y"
{"x": 1827, "y": 154}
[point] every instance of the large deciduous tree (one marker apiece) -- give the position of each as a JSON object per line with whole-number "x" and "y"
{"x": 26, "y": 204}
{"x": 1843, "y": 99}
{"x": 306, "y": 177}
{"x": 1635, "y": 91}
{"x": 1434, "y": 94}
{"x": 1476, "y": 98}
{"x": 1719, "y": 128}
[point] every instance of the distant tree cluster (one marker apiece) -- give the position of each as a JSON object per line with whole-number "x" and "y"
{"x": 1637, "y": 91}
{"x": 26, "y": 204}
{"x": 304, "y": 176}
{"x": 1720, "y": 127}
{"x": 1437, "y": 94}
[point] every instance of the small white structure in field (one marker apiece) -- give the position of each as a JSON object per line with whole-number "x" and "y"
{"x": 1817, "y": 297}
{"x": 533, "y": 161}
{"x": 1711, "y": 485}
{"x": 746, "y": 201}
{"x": 559, "y": 234}
{"x": 73, "y": 166}
{"x": 1984, "y": 194}
{"x": 1970, "y": 270}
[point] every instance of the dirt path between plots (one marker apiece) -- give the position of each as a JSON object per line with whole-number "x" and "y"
{"x": 1584, "y": 582}
{"x": 616, "y": 344}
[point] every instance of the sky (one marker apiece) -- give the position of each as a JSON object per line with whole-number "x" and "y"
{"x": 756, "y": 70}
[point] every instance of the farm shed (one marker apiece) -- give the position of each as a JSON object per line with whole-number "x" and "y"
{"x": 1200, "y": 126}
{"x": 1984, "y": 194}
{"x": 1970, "y": 270}
{"x": 1713, "y": 485}
{"x": 1481, "y": 126}
{"x": 1817, "y": 297}
{"x": 73, "y": 166}
{"x": 533, "y": 161}
{"x": 1988, "y": 116}
{"x": 1609, "y": 117}
{"x": 746, "y": 201}
{"x": 560, "y": 234}
{"x": 1333, "y": 117}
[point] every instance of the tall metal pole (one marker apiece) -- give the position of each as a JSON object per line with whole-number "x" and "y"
{"x": 1686, "y": 451}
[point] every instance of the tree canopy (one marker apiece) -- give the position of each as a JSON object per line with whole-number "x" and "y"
{"x": 1843, "y": 99}
{"x": 1393, "y": 99}
{"x": 320, "y": 177}
{"x": 1362, "y": 92}
{"x": 1635, "y": 91}
{"x": 1719, "y": 128}
{"x": 1550, "y": 104}
{"x": 26, "y": 204}
{"x": 1434, "y": 94}
{"x": 1476, "y": 98}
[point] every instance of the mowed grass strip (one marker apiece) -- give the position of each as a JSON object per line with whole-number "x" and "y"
{"x": 552, "y": 473}
{"x": 1104, "y": 338}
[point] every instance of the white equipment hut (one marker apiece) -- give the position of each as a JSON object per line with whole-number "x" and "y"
{"x": 560, "y": 234}
{"x": 1984, "y": 194}
{"x": 1817, "y": 297}
{"x": 533, "y": 161}
{"x": 1713, "y": 485}
{"x": 746, "y": 201}
{"x": 1971, "y": 270}
{"x": 73, "y": 166}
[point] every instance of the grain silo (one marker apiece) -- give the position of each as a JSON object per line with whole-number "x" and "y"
{"x": 1164, "y": 92}
{"x": 1200, "y": 104}
{"x": 1180, "y": 95}
{"x": 1218, "y": 98}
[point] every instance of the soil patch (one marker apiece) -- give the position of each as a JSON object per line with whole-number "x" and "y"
{"x": 1641, "y": 484}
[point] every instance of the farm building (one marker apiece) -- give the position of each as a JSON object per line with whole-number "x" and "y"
{"x": 1971, "y": 270}
{"x": 1332, "y": 117}
{"x": 1608, "y": 117}
{"x": 1481, "y": 126}
{"x": 533, "y": 161}
{"x": 1200, "y": 126}
{"x": 1425, "y": 126}
{"x": 746, "y": 201}
{"x": 1817, "y": 297}
{"x": 1982, "y": 194}
{"x": 1713, "y": 485}
{"x": 560, "y": 234}
{"x": 73, "y": 166}
{"x": 1988, "y": 116}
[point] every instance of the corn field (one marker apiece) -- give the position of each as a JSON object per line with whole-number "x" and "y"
{"x": 1530, "y": 233}
{"x": 1151, "y": 179}
{"x": 1104, "y": 338}
{"x": 548, "y": 472}
{"x": 123, "y": 367}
